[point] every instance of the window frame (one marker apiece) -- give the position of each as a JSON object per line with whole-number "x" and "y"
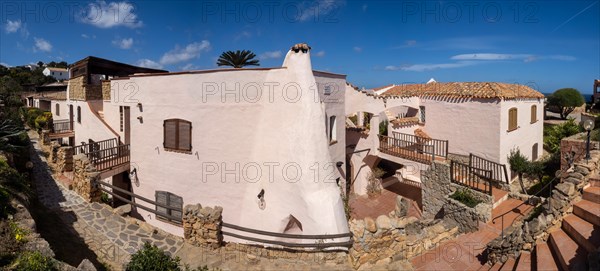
{"x": 57, "y": 109}
{"x": 78, "y": 114}
{"x": 513, "y": 123}
{"x": 168, "y": 196}
{"x": 332, "y": 127}
{"x": 422, "y": 114}
{"x": 177, "y": 137}
{"x": 534, "y": 117}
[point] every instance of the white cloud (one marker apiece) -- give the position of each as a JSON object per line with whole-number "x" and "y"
{"x": 4, "y": 64}
{"x": 318, "y": 10}
{"x": 524, "y": 57}
{"x": 123, "y": 43}
{"x": 86, "y": 36}
{"x": 107, "y": 15}
{"x": 243, "y": 34}
{"x": 490, "y": 56}
{"x": 147, "y": 63}
{"x": 561, "y": 57}
{"x": 42, "y": 45}
{"x": 429, "y": 67}
{"x": 186, "y": 53}
{"x": 12, "y": 26}
{"x": 320, "y": 54}
{"x": 189, "y": 67}
{"x": 357, "y": 49}
{"x": 271, "y": 54}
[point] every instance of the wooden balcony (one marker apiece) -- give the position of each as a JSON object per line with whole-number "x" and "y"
{"x": 107, "y": 156}
{"x": 61, "y": 129}
{"x": 414, "y": 148}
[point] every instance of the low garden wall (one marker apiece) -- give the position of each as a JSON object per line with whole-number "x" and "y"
{"x": 388, "y": 239}
{"x": 437, "y": 189}
{"x": 85, "y": 176}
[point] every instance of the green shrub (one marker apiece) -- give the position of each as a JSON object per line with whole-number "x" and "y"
{"x": 383, "y": 128}
{"x": 35, "y": 261}
{"x": 465, "y": 197}
{"x": 151, "y": 258}
{"x": 31, "y": 114}
{"x": 554, "y": 134}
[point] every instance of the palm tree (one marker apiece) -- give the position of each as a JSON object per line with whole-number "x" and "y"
{"x": 238, "y": 59}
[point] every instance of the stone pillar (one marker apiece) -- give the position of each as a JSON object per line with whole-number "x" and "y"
{"x": 202, "y": 225}
{"x": 45, "y": 137}
{"x": 84, "y": 179}
{"x": 53, "y": 151}
{"x": 64, "y": 159}
{"x": 360, "y": 119}
{"x": 374, "y": 132}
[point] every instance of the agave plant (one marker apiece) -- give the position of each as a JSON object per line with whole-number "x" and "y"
{"x": 7, "y": 131}
{"x": 238, "y": 59}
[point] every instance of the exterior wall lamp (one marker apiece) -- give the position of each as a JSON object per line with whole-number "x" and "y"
{"x": 588, "y": 125}
{"x": 261, "y": 199}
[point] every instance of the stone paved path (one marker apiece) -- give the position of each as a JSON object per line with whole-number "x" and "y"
{"x": 114, "y": 238}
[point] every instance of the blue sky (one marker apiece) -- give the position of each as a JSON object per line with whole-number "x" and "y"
{"x": 545, "y": 44}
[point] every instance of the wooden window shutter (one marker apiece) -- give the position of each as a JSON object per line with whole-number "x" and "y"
{"x": 177, "y": 135}
{"x": 533, "y": 113}
{"x": 161, "y": 198}
{"x": 176, "y": 202}
{"x": 185, "y": 135}
{"x": 170, "y": 134}
{"x": 512, "y": 119}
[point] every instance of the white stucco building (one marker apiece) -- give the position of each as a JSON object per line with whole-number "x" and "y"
{"x": 58, "y": 73}
{"x": 486, "y": 119}
{"x": 266, "y": 144}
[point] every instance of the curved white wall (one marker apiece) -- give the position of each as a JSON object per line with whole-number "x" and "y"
{"x": 281, "y": 131}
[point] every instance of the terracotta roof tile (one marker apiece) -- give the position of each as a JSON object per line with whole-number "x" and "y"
{"x": 486, "y": 90}
{"x": 420, "y": 133}
{"x": 405, "y": 121}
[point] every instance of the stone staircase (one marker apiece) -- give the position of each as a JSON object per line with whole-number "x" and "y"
{"x": 567, "y": 248}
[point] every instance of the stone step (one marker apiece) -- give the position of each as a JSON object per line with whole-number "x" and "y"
{"x": 570, "y": 255}
{"x": 592, "y": 194}
{"x": 496, "y": 267}
{"x": 499, "y": 196}
{"x": 583, "y": 232}
{"x": 509, "y": 265}
{"x": 543, "y": 257}
{"x": 595, "y": 180}
{"x": 588, "y": 210}
{"x": 524, "y": 263}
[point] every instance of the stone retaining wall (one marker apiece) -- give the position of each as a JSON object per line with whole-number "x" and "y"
{"x": 85, "y": 177}
{"x": 437, "y": 188}
{"x": 64, "y": 159}
{"x": 575, "y": 145}
{"x": 202, "y": 225}
{"x": 383, "y": 240}
{"x": 524, "y": 234}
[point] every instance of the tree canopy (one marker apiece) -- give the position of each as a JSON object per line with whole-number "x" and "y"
{"x": 565, "y": 100}
{"x": 238, "y": 59}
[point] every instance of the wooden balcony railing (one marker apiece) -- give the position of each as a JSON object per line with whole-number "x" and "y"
{"x": 474, "y": 178}
{"x": 61, "y": 126}
{"x": 438, "y": 147}
{"x": 110, "y": 158}
{"x": 499, "y": 172}
{"x": 418, "y": 152}
{"x": 95, "y": 146}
